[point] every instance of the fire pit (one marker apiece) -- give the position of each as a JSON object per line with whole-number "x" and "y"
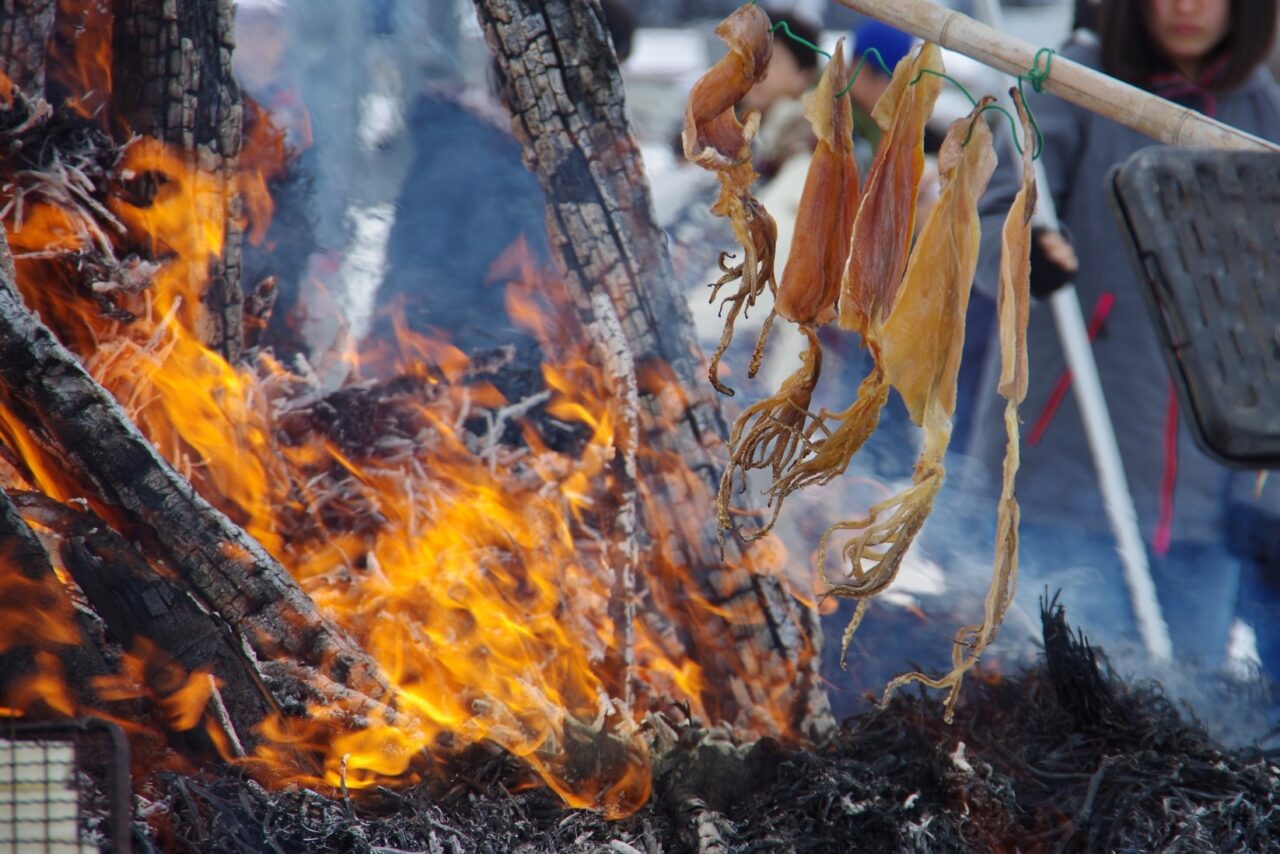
{"x": 392, "y": 596}
{"x": 1062, "y": 757}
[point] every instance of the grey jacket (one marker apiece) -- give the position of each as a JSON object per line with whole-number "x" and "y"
{"x": 1056, "y": 484}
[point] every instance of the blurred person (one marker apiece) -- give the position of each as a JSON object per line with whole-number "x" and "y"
{"x": 1207, "y": 55}
{"x": 792, "y": 65}
{"x": 892, "y": 45}
{"x": 1083, "y": 16}
{"x": 793, "y": 68}
{"x": 445, "y": 236}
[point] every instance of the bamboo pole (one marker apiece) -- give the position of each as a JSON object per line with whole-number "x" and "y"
{"x": 1163, "y": 121}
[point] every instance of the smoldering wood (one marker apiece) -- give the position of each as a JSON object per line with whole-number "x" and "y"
{"x": 93, "y": 441}
{"x": 136, "y": 603}
{"x": 22, "y": 551}
{"x": 25, "y": 27}
{"x": 621, "y": 526}
{"x": 566, "y": 97}
{"x": 172, "y": 80}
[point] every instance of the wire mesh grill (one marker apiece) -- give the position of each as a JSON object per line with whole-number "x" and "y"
{"x": 64, "y": 788}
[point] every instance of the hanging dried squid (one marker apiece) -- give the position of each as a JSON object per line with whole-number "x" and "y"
{"x": 920, "y": 343}
{"x": 716, "y": 139}
{"x": 857, "y": 258}
{"x": 877, "y": 256}
{"x": 1012, "y": 308}
{"x": 770, "y": 433}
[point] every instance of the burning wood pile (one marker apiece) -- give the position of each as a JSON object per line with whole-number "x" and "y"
{"x": 431, "y": 605}
{"x": 338, "y": 587}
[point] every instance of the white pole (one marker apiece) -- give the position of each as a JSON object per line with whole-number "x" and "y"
{"x": 1098, "y": 427}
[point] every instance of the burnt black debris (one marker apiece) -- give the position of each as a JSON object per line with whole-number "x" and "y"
{"x": 1065, "y": 757}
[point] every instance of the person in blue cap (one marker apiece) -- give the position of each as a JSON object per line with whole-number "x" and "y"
{"x": 892, "y": 45}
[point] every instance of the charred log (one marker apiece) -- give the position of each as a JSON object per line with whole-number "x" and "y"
{"x": 566, "y": 98}
{"x": 145, "y": 610}
{"x": 623, "y": 511}
{"x": 172, "y": 80}
{"x": 57, "y": 630}
{"x": 140, "y": 493}
{"x": 25, "y": 27}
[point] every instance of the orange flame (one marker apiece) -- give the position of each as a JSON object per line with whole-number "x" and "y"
{"x": 145, "y": 671}
{"x": 46, "y": 688}
{"x": 35, "y": 615}
{"x": 263, "y": 158}
{"x": 476, "y": 574}
{"x": 80, "y": 55}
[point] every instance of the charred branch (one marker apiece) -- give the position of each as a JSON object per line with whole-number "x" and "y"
{"x": 142, "y": 608}
{"x": 172, "y": 80}
{"x": 566, "y": 98}
{"x": 140, "y": 493}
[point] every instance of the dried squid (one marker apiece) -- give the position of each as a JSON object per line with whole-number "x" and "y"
{"x": 858, "y": 259}
{"x": 716, "y": 139}
{"x": 920, "y": 344}
{"x": 770, "y": 433}
{"x": 880, "y": 240}
{"x": 1012, "y": 307}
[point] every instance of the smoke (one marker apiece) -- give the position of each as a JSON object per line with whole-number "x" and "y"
{"x": 412, "y": 187}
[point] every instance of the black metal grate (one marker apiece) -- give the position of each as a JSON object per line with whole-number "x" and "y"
{"x": 1204, "y": 227}
{"x": 64, "y": 787}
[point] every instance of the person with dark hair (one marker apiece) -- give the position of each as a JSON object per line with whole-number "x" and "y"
{"x": 793, "y": 66}
{"x": 1083, "y": 14}
{"x": 1216, "y": 45}
{"x": 1207, "y": 55}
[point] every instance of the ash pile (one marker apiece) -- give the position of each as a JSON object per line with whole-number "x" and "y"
{"x": 1064, "y": 757}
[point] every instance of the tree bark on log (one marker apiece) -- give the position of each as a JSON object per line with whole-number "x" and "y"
{"x": 566, "y": 97}
{"x": 621, "y": 528}
{"x": 172, "y": 80}
{"x": 91, "y": 438}
{"x": 25, "y": 26}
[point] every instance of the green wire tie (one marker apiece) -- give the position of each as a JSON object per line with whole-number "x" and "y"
{"x": 782, "y": 25}
{"x": 858, "y": 69}
{"x": 786, "y": 28}
{"x": 1013, "y": 123}
{"x": 1037, "y": 76}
